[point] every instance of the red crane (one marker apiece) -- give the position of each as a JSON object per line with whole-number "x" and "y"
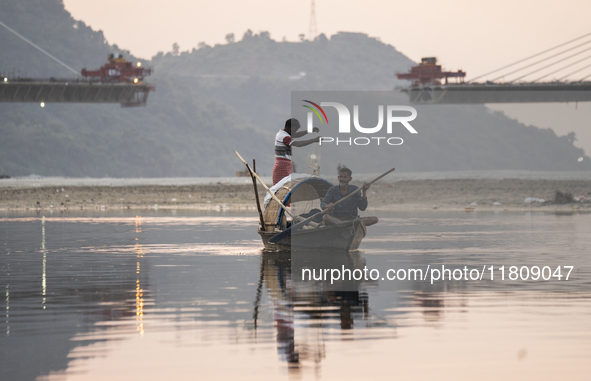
{"x": 117, "y": 70}
{"x": 429, "y": 73}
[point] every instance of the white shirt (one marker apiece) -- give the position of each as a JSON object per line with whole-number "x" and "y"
{"x": 283, "y": 145}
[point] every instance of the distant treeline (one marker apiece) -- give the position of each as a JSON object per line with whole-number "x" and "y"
{"x": 214, "y": 100}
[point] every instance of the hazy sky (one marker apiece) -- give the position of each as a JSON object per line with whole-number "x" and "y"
{"x": 473, "y": 35}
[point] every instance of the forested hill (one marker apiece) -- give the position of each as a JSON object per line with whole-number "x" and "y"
{"x": 215, "y": 99}
{"x": 47, "y": 24}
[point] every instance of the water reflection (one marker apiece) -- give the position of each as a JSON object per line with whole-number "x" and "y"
{"x": 54, "y": 294}
{"x": 44, "y": 274}
{"x": 7, "y": 288}
{"x": 307, "y": 314}
{"x": 86, "y": 296}
{"x": 139, "y": 292}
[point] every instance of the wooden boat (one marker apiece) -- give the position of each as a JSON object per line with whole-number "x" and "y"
{"x": 307, "y": 191}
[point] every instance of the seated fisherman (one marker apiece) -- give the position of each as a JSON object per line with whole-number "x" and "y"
{"x": 346, "y": 210}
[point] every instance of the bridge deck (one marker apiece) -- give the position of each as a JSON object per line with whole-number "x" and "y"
{"x": 127, "y": 94}
{"x": 500, "y": 93}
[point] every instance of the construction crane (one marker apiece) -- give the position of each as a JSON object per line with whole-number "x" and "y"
{"x": 117, "y": 70}
{"x": 429, "y": 73}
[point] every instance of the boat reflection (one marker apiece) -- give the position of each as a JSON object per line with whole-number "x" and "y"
{"x": 308, "y": 314}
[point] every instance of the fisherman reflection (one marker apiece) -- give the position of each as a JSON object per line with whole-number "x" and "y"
{"x": 284, "y": 325}
{"x": 275, "y": 272}
{"x": 312, "y": 305}
{"x": 431, "y": 303}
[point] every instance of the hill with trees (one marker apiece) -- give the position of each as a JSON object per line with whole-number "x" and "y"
{"x": 235, "y": 96}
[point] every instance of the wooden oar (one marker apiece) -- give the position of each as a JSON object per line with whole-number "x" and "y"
{"x": 287, "y": 232}
{"x": 263, "y": 183}
{"x": 256, "y": 193}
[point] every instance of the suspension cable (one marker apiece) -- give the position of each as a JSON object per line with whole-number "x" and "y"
{"x": 542, "y": 60}
{"x": 530, "y": 57}
{"x": 576, "y": 71}
{"x": 552, "y": 64}
{"x": 562, "y": 68}
{"x": 39, "y": 48}
{"x": 584, "y": 78}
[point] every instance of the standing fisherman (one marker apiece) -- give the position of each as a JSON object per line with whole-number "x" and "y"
{"x": 283, "y": 143}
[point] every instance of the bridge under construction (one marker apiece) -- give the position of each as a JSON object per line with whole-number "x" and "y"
{"x": 479, "y": 93}
{"x": 118, "y": 81}
{"x": 73, "y": 91}
{"x": 518, "y": 82}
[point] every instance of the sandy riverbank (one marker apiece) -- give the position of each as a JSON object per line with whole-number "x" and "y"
{"x": 449, "y": 194}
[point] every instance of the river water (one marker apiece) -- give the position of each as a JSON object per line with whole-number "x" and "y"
{"x": 191, "y": 295}
{"x": 40, "y": 181}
